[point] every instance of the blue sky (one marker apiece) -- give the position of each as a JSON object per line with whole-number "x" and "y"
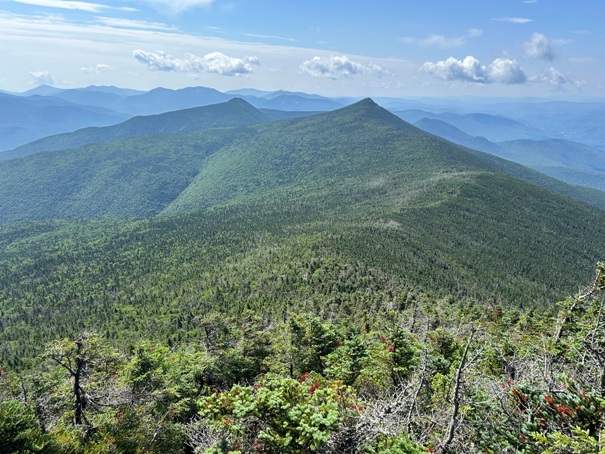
{"x": 547, "y": 48}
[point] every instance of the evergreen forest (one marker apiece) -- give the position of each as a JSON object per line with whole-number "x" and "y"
{"x": 227, "y": 279}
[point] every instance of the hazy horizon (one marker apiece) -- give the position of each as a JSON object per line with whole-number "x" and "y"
{"x": 520, "y": 48}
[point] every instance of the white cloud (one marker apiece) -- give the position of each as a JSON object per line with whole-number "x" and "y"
{"x": 474, "y": 32}
{"x": 97, "y": 69}
{"x": 506, "y": 71}
{"x": 73, "y": 5}
{"x": 513, "y": 20}
{"x": 538, "y": 46}
{"x": 42, "y": 78}
{"x": 281, "y": 38}
{"x": 502, "y": 70}
{"x": 556, "y": 79}
{"x": 469, "y": 69}
{"x": 441, "y": 40}
{"x": 133, "y": 24}
{"x": 179, "y": 6}
{"x": 339, "y": 66}
{"x": 215, "y": 62}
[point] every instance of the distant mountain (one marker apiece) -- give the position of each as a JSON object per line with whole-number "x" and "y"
{"x": 297, "y": 94}
{"x": 85, "y": 97}
{"x": 450, "y": 132}
{"x": 235, "y": 112}
{"x": 249, "y": 92}
{"x": 293, "y": 102}
{"x": 42, "y": 90}
{"x": 492, "y": 127}
{"x": 553, "y": 152}
{"x": 24, "y": 119}
{"x": 571, "y": 162}
{"x": 287, "y": 100}
{"x": 582, "y": 122}
{"x": 123, "y": 92}
{"x": 162, "y": 100}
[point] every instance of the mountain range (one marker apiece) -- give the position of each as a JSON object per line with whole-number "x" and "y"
{"x": 568, "y": 161}
{"x": 46, "y": 110}
{"x": 359, "y": 180}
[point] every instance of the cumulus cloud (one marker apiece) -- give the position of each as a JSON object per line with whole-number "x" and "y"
{"x": 513, "y": 20}
{"x": 501, "y": 70}
{"x": 42, "y": 78}
{"x": 538, "y": 46}
{"x": 339, "y": 66}
{"x": 506, "y": 71}
{"x": 556, "y": 79}
{"x": 97, "y": 69}
{"x": 215, "y": 62}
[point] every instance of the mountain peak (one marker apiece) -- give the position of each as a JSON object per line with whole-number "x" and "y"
{"x": 366, "y": 102}
{"x": 367, "y": 108}
{"x": 237, "y": 101}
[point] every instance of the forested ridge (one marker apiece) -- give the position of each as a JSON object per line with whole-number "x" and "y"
{"x": 298, "y": 291}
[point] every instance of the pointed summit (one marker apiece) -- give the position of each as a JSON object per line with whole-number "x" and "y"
{"x": 368, "y": 110}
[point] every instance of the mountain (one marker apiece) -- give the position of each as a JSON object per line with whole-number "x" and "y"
{"x": 249, "y": 92}
{"x": 42, "y": 90}
{"x": 235, "y": 112}
{"x": 123, "y": 92}
{"x": 350, "y": 212}
{"x": 294, "y": 102}
{"x": 162, "y": 100}
{"x": 553, "y": 152}
{"x": 493, "y": 127}
{"x": 139, "y": 175}
{"x": 582, "y": 122}
{"x": 23, "y": 119}
{"x": 571, "y": 162}
{"x": 110, "y": 98}
{"x": 453, "y": 134}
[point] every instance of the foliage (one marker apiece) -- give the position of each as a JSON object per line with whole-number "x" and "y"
{"x": 19, "y": 429}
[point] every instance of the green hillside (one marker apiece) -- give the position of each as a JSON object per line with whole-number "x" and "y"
{"x": 359, "y": 147}
{"x": 133, "y": 177}
{"x": 311, "y": 213}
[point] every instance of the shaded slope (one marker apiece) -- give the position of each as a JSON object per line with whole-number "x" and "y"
{"x": 137, "y": 176}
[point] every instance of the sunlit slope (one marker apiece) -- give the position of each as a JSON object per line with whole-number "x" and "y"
{"x": 481, "y": 236}
{"x": 362, "y": 147}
